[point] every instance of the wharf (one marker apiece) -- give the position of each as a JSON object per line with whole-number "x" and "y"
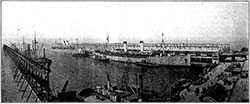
{"x": 226, "y": 82}
{"x": 241, "y": 90}
{"x": 9, "y": 90}
{"x": 191, "y": 96}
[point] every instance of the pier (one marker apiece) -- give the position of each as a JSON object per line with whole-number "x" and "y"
{"x": 29, "y": 73}
{"x": 224, "y": 83}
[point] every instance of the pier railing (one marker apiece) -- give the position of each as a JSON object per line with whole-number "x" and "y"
{"x": 33, "y": 73}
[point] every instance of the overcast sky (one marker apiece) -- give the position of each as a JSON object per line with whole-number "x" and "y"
{"x": 196, "y": 22}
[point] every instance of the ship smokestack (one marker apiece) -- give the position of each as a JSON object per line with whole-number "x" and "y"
{"x": 68, "y": 42}
{"x": 125, "y": 46}
{"x": 64, "y": 43}
{"x": 141, "y": 46}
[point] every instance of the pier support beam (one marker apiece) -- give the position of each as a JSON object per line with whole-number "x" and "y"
{"x": 29, "y": 96}
{"x": 24, "y": 90}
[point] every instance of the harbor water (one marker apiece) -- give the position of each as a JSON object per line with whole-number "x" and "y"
{"x": 87, "y": 73}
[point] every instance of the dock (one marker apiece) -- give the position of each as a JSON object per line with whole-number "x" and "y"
{"x": 28, "y": 73}
{"x": 241, "y": 90}
{"x": 10, "y": 89}
{"x": 236, "y": 91}
{"x": 192, "y": 96}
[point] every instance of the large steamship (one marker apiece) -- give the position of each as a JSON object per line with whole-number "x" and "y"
{"x": 172, "y": 54}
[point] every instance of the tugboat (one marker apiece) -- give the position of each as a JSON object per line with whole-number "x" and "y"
{"x": 109, "y": 93}
{"x": 81, "y": 53}
{"x": 100, "y": 57}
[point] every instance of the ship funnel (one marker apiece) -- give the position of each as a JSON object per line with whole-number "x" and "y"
{"x": 64, "y": 43}
{"x": 125, "y": 46}
{"x": 141, "y": 46}
{"x": 67, "y": 42}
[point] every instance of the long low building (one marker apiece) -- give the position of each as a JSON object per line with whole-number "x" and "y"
{"x": 172, "y": 46}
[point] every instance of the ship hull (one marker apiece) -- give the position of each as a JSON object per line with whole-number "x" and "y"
{"x": 125, "y": 59}
{"x": 156, "y": 60}
{"x": 177, "y": 60}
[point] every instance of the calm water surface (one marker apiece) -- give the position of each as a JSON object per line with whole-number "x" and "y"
{"x": 87, "y": 73}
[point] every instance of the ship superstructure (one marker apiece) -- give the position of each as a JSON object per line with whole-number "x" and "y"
{"x": 182, "y": 54}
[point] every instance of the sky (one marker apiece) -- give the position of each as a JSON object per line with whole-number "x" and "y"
{"x": 90, "y": 22}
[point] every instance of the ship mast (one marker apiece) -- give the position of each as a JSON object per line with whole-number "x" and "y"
{"x": 107, "y": 38}
{"x": 35, "y": 42}
{"x": 107, "y": 47}
{"x": 162, "y": 41}
{"x": 35, "y": 47}
{"x": 23, "y": 44}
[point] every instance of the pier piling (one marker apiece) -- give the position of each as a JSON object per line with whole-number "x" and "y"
{"x": 35, "y": 74}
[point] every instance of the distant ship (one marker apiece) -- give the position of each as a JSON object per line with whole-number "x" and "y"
{"x": 33, "y": 51}
{"x": 170, "y": 54}
{"x": 65, "y": 45}
{"x": 182, "y": 55}
{"x": 82, "y": 53}
{"x": 100, "y": 57}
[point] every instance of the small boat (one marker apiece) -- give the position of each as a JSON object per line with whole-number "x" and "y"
{"x": 82, "y": 53}
{"x": 110, "y": 93}
{"x": 100, "y": 58}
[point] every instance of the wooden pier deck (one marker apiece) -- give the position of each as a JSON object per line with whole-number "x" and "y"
{"x": 10, "y": 93}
